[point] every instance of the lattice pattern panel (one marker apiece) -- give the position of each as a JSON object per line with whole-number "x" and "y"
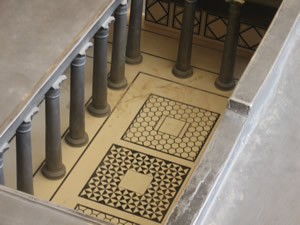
{"x": 178, "y": 15}
{"x": 216, "y": 28}
{"x": 102, "y": 215}
{"x": 136, "y": 183}
{"x": 171, "y": 127}
{"x": 157, "y": 12}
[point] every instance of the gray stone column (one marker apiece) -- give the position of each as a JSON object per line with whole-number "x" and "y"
{"x": 77, "y": 136}
{"x": 54, "y": 167}
{"x": 183, "y": 67}
{"x": 225, "y": 81}
{"x": 24, "y": 154}
{"x": 3, "y": 149}
{"x": 99, "y": 107}
{"x": 117, "y": 78}
{"x": 133, "y": 53}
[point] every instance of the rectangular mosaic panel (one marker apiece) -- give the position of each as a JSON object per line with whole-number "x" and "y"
{"x": 102, "y": 215}
{"x": 157, "y": 12}
{"x": 249, "y": 35}
{"x": 171, "y": 127}
{"x": 114, "y": 183}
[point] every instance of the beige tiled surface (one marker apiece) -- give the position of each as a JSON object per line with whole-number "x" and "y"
{"x": 112, "y": 132}
{"x": 154, "y": 76}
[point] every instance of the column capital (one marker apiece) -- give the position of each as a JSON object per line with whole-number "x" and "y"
{"x": 4, "y": 148}
{"x": 121, "y": 10}
{"x": 124, "y": 2}
{"x": 110, "y": 19}
{"x": 84, "y": 49}
{"x": 59, "y": 80}
{"x": 34, "y": 111}
{"x": 237, "y": 1}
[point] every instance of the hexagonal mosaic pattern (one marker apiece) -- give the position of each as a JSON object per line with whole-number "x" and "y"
{"x": 103, "y": 215}
{"x": 112, "y": 185}
{"x": 172, "y": 127}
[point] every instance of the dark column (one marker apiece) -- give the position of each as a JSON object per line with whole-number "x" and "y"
{"x": 3, "y": 149}
{"x": 24, "y": 155}
{"x": 183, "y": 67}
{"x": 117, "y": 78}
{"x": 133, "y": 54}
{"x": 99, "y": 107}
{"x": 54, "y": 167}
{"x": 77, "y": 136}
{"x": 225, "y": 81}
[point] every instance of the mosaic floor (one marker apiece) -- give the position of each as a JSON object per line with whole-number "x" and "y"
{"x": 141, "y": 156}
{"x": 172, "y": 127}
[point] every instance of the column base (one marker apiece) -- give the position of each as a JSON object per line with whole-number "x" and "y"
{"x": 77, "y": 142}
{"x": 53, "y": 175}
{"x": 98, "y": 112}
{"x": 182, "y": 74}
{"x": 224, "y": 86}
{"x": 117, "y": 86}
{"x": 134, "y": 61}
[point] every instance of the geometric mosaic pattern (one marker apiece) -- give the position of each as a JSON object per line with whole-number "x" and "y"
{"x": 249, "y": 35}
{"x": 215, "y": 27}
{"x": 157, "y": 12}
{"x": 178, "y": 15}
{"x": 171, "y": 127}
{"x": 110, "y": 183}
{"x": 102, "y": 215}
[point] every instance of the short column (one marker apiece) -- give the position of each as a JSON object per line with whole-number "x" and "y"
{"x": 133, "y": 53}
{"x": 225, "y": 81}
{"x": 54, "y": 167}
{"x": 24, "y": 155}
{"x": 3, "y": 149}
{"x": 117, "y": 78}
{"x": 99, "y": 106}
{"x": 77, "y": 136}
{"x": 183, "y": 68}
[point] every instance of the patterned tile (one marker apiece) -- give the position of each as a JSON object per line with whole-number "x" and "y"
{"x": 111, "y": 183}
{"x": 216, "y": 28}
{"x": 172, "y": 127}
{"x": 102, "y": 215}
{"x": 178, "y": 15}
{"x": 250, "y": 36}
{"x": 157, "y": 12}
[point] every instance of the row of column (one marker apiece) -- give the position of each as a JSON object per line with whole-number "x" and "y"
{"x": 183, "y": 68}
{"x": 76, "y": 136}
{"x": 121, "y": 53}
{"x": 53, "y": 167}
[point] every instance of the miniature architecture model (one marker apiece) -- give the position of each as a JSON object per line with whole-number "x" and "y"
{"x": 116, "y": 112}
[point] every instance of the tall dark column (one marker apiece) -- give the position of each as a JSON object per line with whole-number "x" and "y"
{"x": 3, "y": 149}
{"x": 54, "y": 167}
{"x": 183, "y": 67}
{"x": 225, "y": 81}
{"x": 133, "y": 53}
{"x": 24, "y": 155}
{"x": 117, "y": 78}
{"x": 77, "y": 136}
{"x": 99, "y": 106}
